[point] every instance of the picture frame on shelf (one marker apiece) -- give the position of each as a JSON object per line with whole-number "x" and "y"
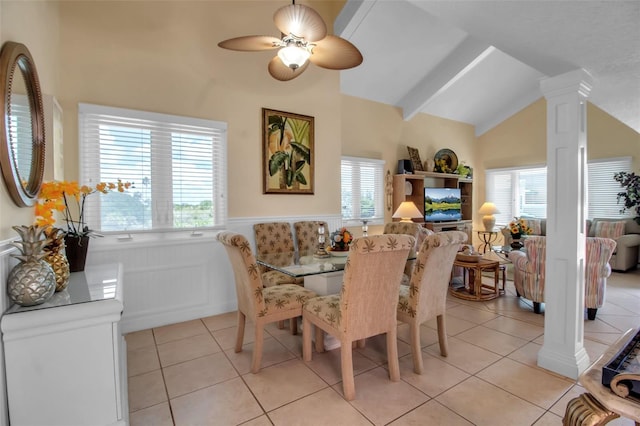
{"x": 287, "y": 152}
{"x": 414, "y": 156}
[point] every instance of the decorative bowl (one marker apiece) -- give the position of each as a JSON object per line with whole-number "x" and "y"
{"x": 472, "y": 258}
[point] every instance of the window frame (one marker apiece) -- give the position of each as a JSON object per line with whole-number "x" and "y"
{"x": 379, "y": 186}
{"x": 89, "y": 163}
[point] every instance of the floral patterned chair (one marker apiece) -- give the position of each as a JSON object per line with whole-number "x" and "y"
{"x": 416, "y": 230}
{"x": 529, "y": 271}
{"x": 426, "y": 295}
{"x": 261, "y": 304}
{"x": 307, "y": 235}
{"x": 366, "y": 305}
{"x": 275, "y": 239}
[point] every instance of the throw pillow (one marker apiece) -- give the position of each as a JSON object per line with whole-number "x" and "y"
{"x": 535, "y": 226}
{"x": 613, "y": 230}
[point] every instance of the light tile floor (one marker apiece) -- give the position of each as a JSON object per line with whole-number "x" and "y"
{"x": 188, "y": 373}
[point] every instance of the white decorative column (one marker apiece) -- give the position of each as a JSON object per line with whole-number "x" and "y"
{"x": 563, "y": 350}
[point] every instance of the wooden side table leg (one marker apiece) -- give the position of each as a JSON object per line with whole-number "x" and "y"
{"x": 585, "y": 410}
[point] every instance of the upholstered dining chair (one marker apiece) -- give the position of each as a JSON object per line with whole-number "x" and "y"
{"x": 275, "y": 239}
{"x": 261, "y": 304}
{"x": 365, "y": 307}
{"x": 416, "y": 230}
{"x": 426, "y": 295}
{"x": 306, "y": 233}
{"x": 529, "y": 271}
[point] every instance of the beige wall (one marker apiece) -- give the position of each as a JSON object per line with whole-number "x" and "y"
{"x": 34, "y": 24}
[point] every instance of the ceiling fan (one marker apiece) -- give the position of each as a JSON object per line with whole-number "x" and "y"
{"x": 303, "y": 39}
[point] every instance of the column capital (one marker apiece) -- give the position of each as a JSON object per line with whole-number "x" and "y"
{"x": 570, "y": 82}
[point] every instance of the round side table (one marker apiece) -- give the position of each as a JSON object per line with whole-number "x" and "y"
{"x": 487, "y": 237}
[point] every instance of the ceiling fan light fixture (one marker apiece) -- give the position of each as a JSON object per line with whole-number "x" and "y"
{"x": 294, "y": 56}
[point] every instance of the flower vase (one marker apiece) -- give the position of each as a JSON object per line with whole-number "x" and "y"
{"x": 516, "y": 244}
{"x": 76, "y": 249}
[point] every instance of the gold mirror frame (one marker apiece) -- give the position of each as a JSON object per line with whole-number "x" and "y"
{"x": 22, "y": 182}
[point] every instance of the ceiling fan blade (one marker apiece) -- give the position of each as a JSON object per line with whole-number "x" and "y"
{"x": 280, "y": 71}
{"x": 251, "y": 43}
{"x": 335, "y": 53}
{"x": 301, "y": 21}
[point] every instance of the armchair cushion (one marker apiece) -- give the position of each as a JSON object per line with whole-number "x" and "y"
{"x": 613, "y": 230}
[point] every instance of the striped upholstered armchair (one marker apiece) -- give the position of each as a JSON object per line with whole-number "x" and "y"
{"x": 529, "y": 271}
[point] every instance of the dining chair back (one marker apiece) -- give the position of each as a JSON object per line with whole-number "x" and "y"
{"x": 276, "y": 240}
{"x": 416, "y": 230}
{"x": 366, "y": 305}
{"x": 426, "y": 295}
{"x": 306, "y": 233}
{"x": 260, "y": 304}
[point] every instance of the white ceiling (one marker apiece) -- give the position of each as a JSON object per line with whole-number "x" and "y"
{"x": 480, "y": 62}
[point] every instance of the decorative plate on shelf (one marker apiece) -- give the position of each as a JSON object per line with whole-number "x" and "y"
{"x": 450, "y": 159}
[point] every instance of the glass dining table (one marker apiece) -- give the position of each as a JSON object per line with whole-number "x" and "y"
{"x": 303, "y": 264}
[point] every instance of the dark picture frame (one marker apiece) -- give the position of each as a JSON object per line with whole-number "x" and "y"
{"x": 416, "y": 162}
{"x": 287, "y": 152}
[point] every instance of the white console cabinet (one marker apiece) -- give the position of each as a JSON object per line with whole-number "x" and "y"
{"x": 66, "y": 359}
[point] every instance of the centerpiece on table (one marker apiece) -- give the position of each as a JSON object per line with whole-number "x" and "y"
{"x": 69, "y": 199}
{"x": 340, "y": 240}
{"x": 518, "y": 228}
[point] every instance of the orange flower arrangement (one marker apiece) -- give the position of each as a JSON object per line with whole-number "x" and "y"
{"x": 341, "y": 239}
{"x": 57, "y": 196}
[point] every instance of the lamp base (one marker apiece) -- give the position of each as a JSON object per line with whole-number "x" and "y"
{"x": 489, "y": 222}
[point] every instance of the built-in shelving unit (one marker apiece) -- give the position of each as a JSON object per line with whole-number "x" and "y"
{"x": 410, "y": 187}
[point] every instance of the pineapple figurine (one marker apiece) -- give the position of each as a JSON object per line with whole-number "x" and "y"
{"x": 56, "y": 258}
{"x": 32, "y": 281}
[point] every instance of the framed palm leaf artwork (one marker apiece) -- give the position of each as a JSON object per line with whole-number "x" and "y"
{"x": 287, "y": 151}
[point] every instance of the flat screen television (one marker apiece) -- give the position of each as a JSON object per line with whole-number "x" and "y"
{"x": 442, "y": 204}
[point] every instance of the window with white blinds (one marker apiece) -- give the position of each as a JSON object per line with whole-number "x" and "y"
{"x": 603, "y": 190}
{"x": 362, "y": 189}
{"x": 177, "y": 166}
{"x": 523, "y": 191}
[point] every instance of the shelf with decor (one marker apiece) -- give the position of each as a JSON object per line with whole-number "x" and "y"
{"x": 411, "y": 187}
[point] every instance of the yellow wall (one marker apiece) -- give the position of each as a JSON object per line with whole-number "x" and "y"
{"x": 163, "y": 57}
{"x": 35, "y": 24}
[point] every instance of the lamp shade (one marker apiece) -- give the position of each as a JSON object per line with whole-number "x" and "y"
{"x": 406, "y": 211}
{"x": 488, "y": 209}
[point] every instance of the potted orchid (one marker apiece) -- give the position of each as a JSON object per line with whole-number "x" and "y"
{"x": 69, "y": 198}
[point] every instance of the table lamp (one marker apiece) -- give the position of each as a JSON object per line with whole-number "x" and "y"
{"x": 488, "y": 209}
{"x": 406, "y": 211}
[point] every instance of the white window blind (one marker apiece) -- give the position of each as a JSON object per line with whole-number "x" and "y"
{"x": 518, "y": 192}
{"x": 18, "y": 122}
{"x": 603, "y": 190}
{"x": 362, "y": 189}
{"x": 177, "y": 166}
{"x": 523, "y": 192}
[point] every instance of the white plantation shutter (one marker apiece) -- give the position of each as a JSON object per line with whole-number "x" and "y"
{"x": 362, "y": 190}
{"x": 603, "y": 190}
{"x": 177, "y": 165}
{"x": 523, "y": 191}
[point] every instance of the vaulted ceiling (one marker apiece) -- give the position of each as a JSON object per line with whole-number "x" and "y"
{"x": 480, "y": 62}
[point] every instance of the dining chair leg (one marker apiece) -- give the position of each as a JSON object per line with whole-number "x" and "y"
{"x": 392, "y": 354}
{"x": 240, "y": 333}
{"x": 281, "y": 324}
{"x": 360, "y": 344}
{"x": 442, "y": 335}
{"x": 416, "y": 351}
{"x": 306, "y": 339}
{"x": 257, "y": 348}
{"x": 293, "y": 325}
{"x": 319, "y": 340}
{"x": 348, "y": 381}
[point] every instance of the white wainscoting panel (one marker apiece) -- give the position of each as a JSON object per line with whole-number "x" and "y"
{"x": 177, "y": 277}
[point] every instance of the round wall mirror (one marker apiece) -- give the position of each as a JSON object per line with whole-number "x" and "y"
{"x": 22, "y": 127}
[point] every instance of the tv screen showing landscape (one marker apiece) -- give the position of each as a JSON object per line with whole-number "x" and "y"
{"x": 442, "y": 204}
